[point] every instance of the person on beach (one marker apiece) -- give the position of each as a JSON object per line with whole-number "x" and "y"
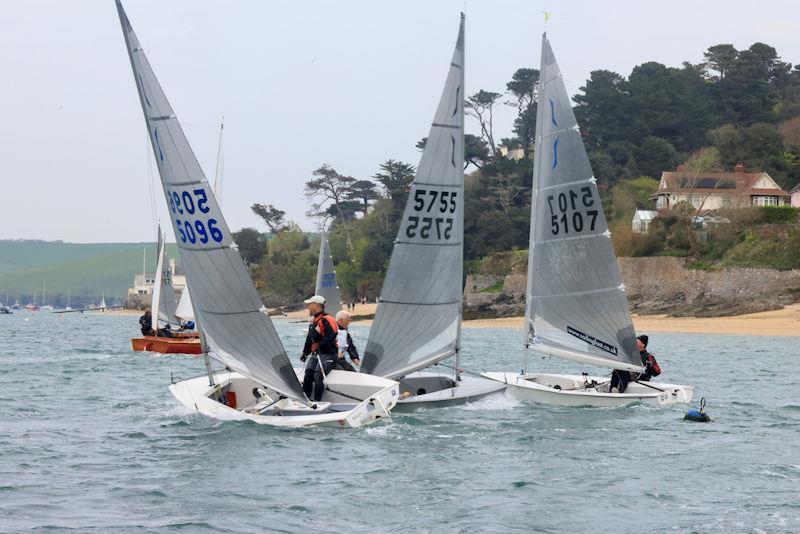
{"x": 321, "y": 345}
{"x": 146, "y": 323}
{"x": 345, "y": 342}
{"x": 620, "y": 378}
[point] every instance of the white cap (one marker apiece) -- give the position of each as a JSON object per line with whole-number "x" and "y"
{"x": 316, "y": 299}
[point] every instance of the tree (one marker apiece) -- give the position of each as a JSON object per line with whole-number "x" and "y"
{"x": 506, "y": 189}
{"x": 656, "y": 155}
{"x": 522, "y": 88}
{"x": 330, "y": 188}
{"x": 630, "y": 194}
{"x": 273, "y": 217}
{"x": 744, "y": 94}
{"x": 481, "y": 106}
{"x": 719, "y": 59}
{"x": 758, "y": 147}
{"x": 396, "y": 178}
{"x": 364, "y": 192}
{"x": 601, "y": 109}
{"x": 251, "y": 245}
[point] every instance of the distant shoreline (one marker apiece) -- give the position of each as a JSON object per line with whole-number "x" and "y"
{"x": 783, "y": 322}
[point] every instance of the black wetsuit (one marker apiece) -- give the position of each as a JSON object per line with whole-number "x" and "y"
{"x": 321, "y": 339}
{"x": 146, "y": 322}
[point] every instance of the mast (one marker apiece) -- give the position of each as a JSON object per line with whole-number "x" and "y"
{"x": 457, "y": 359}
{"x": 220, "y": 169}
{"x": 44, "y": 286}
{"x": 527, "y": 327}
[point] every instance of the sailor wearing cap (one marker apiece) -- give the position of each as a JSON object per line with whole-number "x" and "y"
{"x": 321, "y": 345}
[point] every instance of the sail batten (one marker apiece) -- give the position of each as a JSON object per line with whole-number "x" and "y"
{"x": 246, "y": 342}
{"x": 419, "y": 313}
{"x": 576, "y": 304}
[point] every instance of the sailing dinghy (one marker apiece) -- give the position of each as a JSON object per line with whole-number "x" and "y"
{"x": 576, "y": 304}
{"x": 418, "y": 320}
{"x": 261, "y": 385}
{"x": 327, "y": 286}
{"x": 164, "y": 307}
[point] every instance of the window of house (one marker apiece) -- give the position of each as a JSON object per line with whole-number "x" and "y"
{"x": 662, "y": 202}
{"x": 726, "y": 202}
{"x": 697, "y": 201}
{"x": 765, "y": 201}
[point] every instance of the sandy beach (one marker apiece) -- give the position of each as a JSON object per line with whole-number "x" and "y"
{"x": 785, "y": 322}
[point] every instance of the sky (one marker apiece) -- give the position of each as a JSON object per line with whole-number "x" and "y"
{"x": 300, "y": 83}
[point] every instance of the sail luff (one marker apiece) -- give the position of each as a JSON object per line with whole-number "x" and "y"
{"x": 417, "y": 321}
{"x": 226, "y": 302}
{"x": 576, "y": 305}
{"x": 528, "y": 330}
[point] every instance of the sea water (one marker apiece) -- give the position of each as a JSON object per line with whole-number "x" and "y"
{"x": 92, "y": 440}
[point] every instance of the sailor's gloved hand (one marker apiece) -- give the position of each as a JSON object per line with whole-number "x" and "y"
{"x": 303, "y": 358}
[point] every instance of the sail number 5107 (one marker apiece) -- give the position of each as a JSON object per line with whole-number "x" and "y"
{"x": 188, "y": 205}
{"x": 567, "y": 213}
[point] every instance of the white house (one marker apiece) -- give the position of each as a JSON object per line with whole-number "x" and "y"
{"x": 795, "y": 192}
{"x": 642, "y": 219}
{"x": 708, "y": 191}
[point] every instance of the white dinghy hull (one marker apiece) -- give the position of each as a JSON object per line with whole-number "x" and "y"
{"x": 428, "y": 389}
{"x": 571, "y": 390}
{"x": 338, "y": 407}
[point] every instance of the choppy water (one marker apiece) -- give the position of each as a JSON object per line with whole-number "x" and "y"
{"x": 90, "y": 439}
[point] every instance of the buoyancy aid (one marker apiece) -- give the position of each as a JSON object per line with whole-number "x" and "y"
{"x": 321, "y": 322}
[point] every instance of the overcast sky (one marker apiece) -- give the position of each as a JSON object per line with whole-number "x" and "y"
{"x": 300, "y": 83}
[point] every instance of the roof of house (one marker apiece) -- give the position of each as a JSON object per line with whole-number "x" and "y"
{"x": 795, "y": 189}
{"x": 646, "y": 215}
{"x": 718, "y": 182}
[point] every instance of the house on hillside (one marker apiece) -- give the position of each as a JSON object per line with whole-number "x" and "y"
{"x": 515, "y": 154}
{"x": 795, "y": 193}
{"x": 708, "y": 191}
{"x": 143, "y": 282}
{"x": 642, "y": 219}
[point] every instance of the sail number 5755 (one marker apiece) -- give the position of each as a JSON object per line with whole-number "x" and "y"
{"x": 431, "y": 221}
{"x": 569, "y": 211}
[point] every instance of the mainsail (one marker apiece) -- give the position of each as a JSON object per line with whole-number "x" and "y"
{"x": 164, "y": 302}
{"x": 226, "y": 302}
{"x": 326, "y": 276}
{"x": 576, "y": 305}
{"x": 418, "y": 318}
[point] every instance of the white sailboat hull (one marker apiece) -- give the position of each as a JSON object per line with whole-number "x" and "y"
{"x": 337, "y": 408}
{"x": 544, "y": 389}
{"x": 429, "y": 389}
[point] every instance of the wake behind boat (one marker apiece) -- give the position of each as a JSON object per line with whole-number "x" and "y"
{"x": 418, "y": 320}
{"x": 262, "y": 386}
{"x": 576, "y": 306}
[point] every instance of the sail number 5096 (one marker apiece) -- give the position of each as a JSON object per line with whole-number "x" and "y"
{"x": 191, "y": 229}
{"x": 567, "y": 213}
{"x": 434, "y": 202}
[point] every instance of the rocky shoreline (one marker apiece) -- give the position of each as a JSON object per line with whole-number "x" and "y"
{"x": 655, "y": 286}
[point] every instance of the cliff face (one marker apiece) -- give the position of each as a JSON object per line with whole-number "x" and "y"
{"x": 658, "y": 285}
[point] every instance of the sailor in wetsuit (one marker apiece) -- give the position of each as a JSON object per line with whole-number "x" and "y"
{"x": 321, "y": 345}
{"x": 146, "y": 323}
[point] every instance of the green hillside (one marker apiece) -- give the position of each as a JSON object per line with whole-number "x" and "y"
{"x": 89, "y": 270}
